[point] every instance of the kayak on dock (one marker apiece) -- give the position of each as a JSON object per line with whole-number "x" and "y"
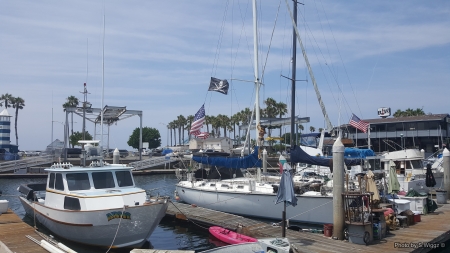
{"x": 230, "y": 237}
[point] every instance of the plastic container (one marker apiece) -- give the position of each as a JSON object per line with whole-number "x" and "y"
{"x": 3, "y": 206}
{"x": 441, "y": 196}
{"x": 417, "y": 217}
{"x": 328, "y": 230}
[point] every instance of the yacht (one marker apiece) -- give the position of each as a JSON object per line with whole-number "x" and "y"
{"x": 98, "y": 204}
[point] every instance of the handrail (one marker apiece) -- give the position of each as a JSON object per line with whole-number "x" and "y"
{"x": 25, "y": 163}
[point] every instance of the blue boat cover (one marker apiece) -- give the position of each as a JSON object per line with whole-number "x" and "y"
{"x": 300, "y": 156}
{"x": 358, "y": 153}
{"x": 241, "y": 162}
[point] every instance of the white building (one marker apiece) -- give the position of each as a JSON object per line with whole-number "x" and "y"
{"x": 223, "y": 144}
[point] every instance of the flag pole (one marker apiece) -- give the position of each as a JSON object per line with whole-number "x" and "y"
{"x": 368, "y": 136}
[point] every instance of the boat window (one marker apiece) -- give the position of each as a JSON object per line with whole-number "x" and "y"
{"x": 240, "y": 187}
{"x": 212, "y": 185}
{"x": 78, "y": 181}
{"x": 124, "y": 178}
{"x": 59, "y": 185}
{"x": 51, "y": 181}
{"x": 103, "y": 180}
{"x": 72, "y": 203}
{"x": 225, "y": 186}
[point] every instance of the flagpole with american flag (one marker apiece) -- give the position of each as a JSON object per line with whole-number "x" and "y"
{"x": 197, "y": 124}
{"x": 358, "y": 124}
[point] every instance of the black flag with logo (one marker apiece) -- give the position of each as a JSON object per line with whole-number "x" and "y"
{"x": 219, "y": 85}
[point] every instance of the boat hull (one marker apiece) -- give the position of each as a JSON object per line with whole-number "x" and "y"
{"x": 310, "y": 209}
{"x": 99, "y": 227}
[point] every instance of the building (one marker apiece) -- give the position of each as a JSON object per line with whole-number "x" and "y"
{"x": 428, "y": 132}
{"x": 223, "y": 144}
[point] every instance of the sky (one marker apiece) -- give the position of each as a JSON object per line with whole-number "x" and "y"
{"x": 159, "y": 57}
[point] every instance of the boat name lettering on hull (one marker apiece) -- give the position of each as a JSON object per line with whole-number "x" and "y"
{"x": 118, "y": 215}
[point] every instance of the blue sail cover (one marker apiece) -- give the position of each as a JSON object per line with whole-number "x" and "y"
{"x": 300, "y": 156}
{"x": 242, "y": 162}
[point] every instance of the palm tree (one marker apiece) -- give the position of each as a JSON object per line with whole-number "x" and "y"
{"x": 18, "y": 103}
{"x": 181, "y": 123}
{"x": 312, "y": 129}
{"x": 281, "y": 110}
{"x": 6, "y": 98}
{"x": 170, "y": 126}
{"x": 71, "y": 101}
{"x": 189, "y": 121}
{"x": 235, "y": 120}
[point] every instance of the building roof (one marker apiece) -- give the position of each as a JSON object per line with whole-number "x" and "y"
{"x": 5, "y": 113}
{"x": 211, "y": 139}
{"x": 429, "y": 117}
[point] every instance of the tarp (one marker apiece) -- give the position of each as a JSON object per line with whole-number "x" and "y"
{"x": 358, "y": 153}
{"x": 429, "y": 181}
{"x": 371, "y": 186}
{"x": 286, "y": 189}
{"x": 394, "y": 185}
{"x": 241, "y": 162}
{"x": 300, "y": 156}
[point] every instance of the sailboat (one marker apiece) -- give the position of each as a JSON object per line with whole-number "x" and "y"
{"x": 97, "y": 204}
{"x": 226, "y": 189}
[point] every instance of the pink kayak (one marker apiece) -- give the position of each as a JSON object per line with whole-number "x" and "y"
{"x": 229, "y": 236}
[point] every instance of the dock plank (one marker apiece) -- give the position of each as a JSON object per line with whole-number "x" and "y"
{"x": 13, "y": 231}
{"x": 433, "y": 228}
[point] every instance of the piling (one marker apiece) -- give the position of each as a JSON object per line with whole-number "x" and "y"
{"x": 446, "y": 165}
{"x": 338, "y": 189}
{"x": 264, "y": 161}
{"x": 116, "y": 156}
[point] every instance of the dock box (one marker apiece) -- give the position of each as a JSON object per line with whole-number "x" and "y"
{"x": 3, "y": 206}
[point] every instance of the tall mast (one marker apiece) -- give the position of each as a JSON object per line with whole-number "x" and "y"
{"x": 103, "y": 84}
{"x": 294, "y": 68}
{"x": 257, "y": 81}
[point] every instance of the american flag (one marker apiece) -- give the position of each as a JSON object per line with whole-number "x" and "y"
{"x": 359, "y": 124}
{"x": 204, "y": 135}
{"x": 199, "y": 118}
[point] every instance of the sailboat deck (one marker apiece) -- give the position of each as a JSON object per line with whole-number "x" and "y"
{"x": 433, "y": 229}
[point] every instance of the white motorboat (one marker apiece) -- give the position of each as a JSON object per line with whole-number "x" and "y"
{"x": 411, "y": 169}
{"x": 98, "y": 204}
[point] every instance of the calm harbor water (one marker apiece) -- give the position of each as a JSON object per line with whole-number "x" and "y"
{"x": 169, "y": 235}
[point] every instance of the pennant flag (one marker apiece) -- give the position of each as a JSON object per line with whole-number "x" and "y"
{"x": 359, "y": 124}
{"x": 204, "y": 135}
{"x": 199, "y": 118}
{"x": 219, "y": 85}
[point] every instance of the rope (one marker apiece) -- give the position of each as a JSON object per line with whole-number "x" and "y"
{"x": 118, "y": 226}
{"x": 186, "y": 216}
{"x": 310, "y": 210}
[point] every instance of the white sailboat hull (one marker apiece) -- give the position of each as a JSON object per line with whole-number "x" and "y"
{"x": 98, "y": 227}
{"x": 315, "y": 209}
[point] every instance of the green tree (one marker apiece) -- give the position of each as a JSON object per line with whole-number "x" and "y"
{"x": 6, "y": 98}
{"x": 71, "y": 101}
{"x": 181, "y": 123}
{"x": 17, "y": 103}
{"x": 78, "y": 136}
{"x": 312, "y": 129}
{"x": 408, "y": 112}
{"x": 149, "y": 134}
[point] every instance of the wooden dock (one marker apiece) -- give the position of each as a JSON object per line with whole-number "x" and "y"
{"x": 433, "y": 229}
{"x": 13, "y": 231}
